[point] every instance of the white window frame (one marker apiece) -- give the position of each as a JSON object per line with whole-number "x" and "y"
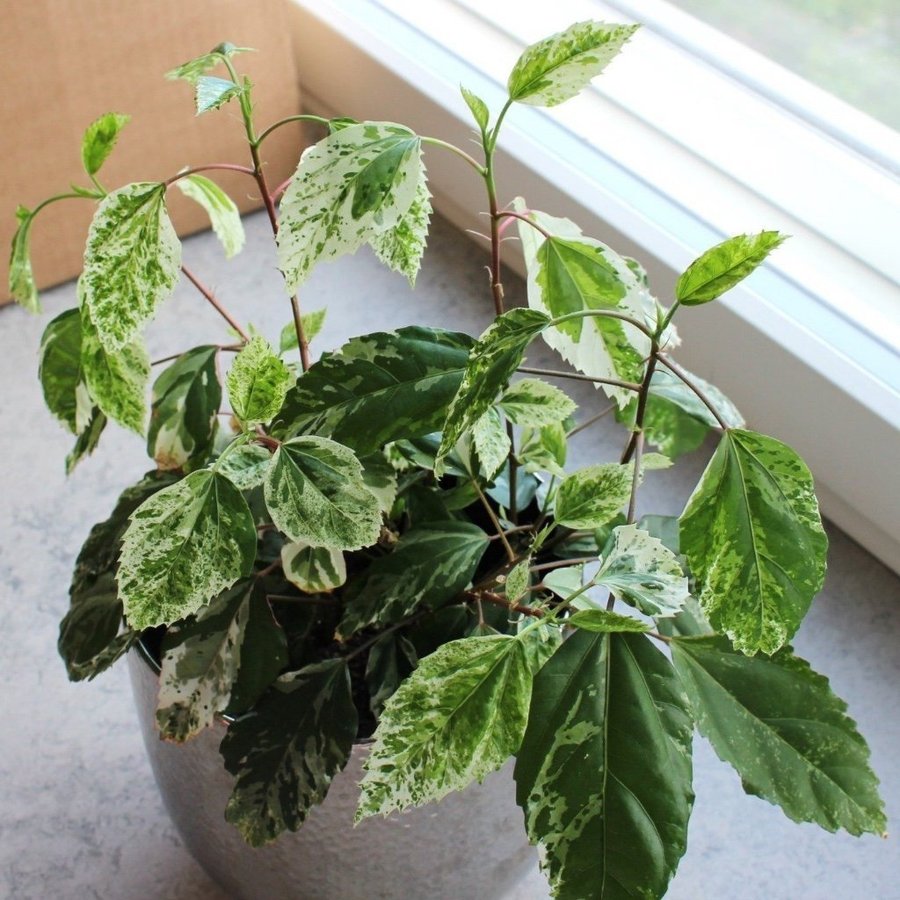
{"x": 842, "y": 414}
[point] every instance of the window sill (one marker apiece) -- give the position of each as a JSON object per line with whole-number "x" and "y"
{"x": 840, "y": 409}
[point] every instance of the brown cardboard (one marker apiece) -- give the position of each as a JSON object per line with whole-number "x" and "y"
{"x": 63, "y": 63}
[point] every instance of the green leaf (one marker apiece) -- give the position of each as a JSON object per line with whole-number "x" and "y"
{"x": 400, "y": 248}
{"x": 286, "y": 752}
{"x": 87, "y": 441}
{"x": 477, "y": 107}
{"x": 458, "y": 717}
{"x": 355, "y": 184}
{"x": 131, "y": 262}
{"x": 184, "y": 546}
{"x": 391, "y": 658}
{"x": 194, "y": 68}
{"x": 200, "y": 662}
{"x": 571, "y": 273}
{"x": 492, "y": 443}
{"x": 640, "y": 570}
{"x": 559, "y": 67}
{"x": 221, "y": 209}
{"x": 21, "y": 276}
{"x": 430, "y": 565}
{"x": 754, "y": 541}
{"x": 380, "y": 479}
{"x": 544, "y": 449}
{"x": 183, "y": 416}
{"x": 60, "y": 372}
{"x": 493, "y": 359}
{"x": 314, "y": 570}
{"x": 315, "y": 493}
{"x": 721, "y": 267}
{"x": 534, "y": 403}
{"x": 605, "y": 621}
{"x": 212, "y": 92}
{"x": 89, "y": 634}
{"x": 245, "y": 467}
{"x": 312, "y": 324}
{"x": 99, "y": 139}
{"x": 518, "y": 582}
{"x": 787, "y": 735}
{"x": 115, "y": 379}
{"x": 591, "y": 496}
{"x": 257, "y": 383}
{"x": 378, "y": 388}
{"x": 666, "y": 385}
{"x": 604, "y": 771}
{"x": 565, "y": 580}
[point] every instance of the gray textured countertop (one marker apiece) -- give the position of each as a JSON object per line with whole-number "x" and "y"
{"x": 79, "y": 813}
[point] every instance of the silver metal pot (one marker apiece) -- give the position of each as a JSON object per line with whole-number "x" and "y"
{"x": 470, "y": 846}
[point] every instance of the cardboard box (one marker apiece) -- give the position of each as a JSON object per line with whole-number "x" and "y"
{"x": 64, "y": 63}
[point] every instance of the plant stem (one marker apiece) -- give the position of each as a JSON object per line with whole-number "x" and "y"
{"x": 436, "y": 142}
{"x": 681, "y": 374}
{"x": 54, "y": 199}
{"x": 212, "y": 167}
{"x": 642, "y": 402}
{"x": 269, "y": 569}
{"x": 636, "y": 477}
{"x": 607, "y": 313}
{"x": 511, "y": 214}
{"x": 314, "y": 599}
{"x": 391, "y": 628}
{"x": 510, "y": 553}
{"x": 302, "y": 117}
{"x": 210, "y": 297}
{"x": 591, "y": 421}
{"x": 560, "y": 563}
{"x": 577, "y": 376}
{"x": 500, "y": 600}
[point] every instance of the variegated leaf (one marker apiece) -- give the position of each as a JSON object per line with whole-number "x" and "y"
{"x": 99, "y": 139}
{"x": 380, "y": 478}
{"x": 224, "y": 215}
{"x": 285, "y": 754}
{"x": 605, "y": 621}
{"x": 314, "y": 570}
{"x": 754, "y": 541}
{"x": 593, "y": 495}
{"x": 116, "y": 379}
{"x": 459, "y": 716}
{"x": 131, "y": 262}
{"x": 22, "y": 287}
{"x": 493, "y": 359}
{"x": 518, "y": 581}
{"x": 257, "y": 383}
{"x": 186, "y": 400}
{"x": 640, "y": 570}
{"x": 378, "y": 388}
{"x": 311, "y": 323}
{"x": 391, "y": 658}
{"x": 245, "y": 467}
{"x": 184, "y": 546}
{"x": 194, "y": 68}
{"x": 559, "y": 67}
{"x": 355, "y": 184}
{"x": 200, "y": 662}
{"x": 429, "y": 565}
{"x": 610, "y": 819}
{"x": 60, "y": 372}
{"x": 492, "y": 443}
{"x": 784, "y": 731}
{"x": 212, "y": 92}
{"x": 543, "y": 449}
{"x": 534, "y": 403}
{"x": 87, "y": 441}
{"x": 400, "y": 248}
{"x": 315, "y": 493}
{"x": 572, "y": 273}
{"x": 477, "y": 107}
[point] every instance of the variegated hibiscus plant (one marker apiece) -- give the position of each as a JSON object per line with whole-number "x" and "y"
{"x": 384, "y": 545}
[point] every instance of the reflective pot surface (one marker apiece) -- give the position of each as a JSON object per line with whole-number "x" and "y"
{"x": 470, "y": 846}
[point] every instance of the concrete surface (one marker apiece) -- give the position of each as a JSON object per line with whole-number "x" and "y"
{"x": 79, "y": 813}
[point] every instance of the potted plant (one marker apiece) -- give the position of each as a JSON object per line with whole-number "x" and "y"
{"x": 379, "y": 555}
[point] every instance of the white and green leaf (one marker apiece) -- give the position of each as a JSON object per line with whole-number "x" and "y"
{"x": 754, "y": 541}
{"x": 401, "y": 247}
{"x": 534, "y": 403}
{"x": 257, "y": 383}
{"x": 722, "y": 267}
{"x": 784, "y": 731}
{"x": 131, "y": 262}
{"x": 194, "y": 68}
{"x": 559, "y": 67}
{"x": 183, "y": 415}
{"x": 99, "y": 140}
{"x": 543, "y": 449}
{"x": 459, "y": 716}
{"x": 286, "y": 753}
{"x": 491, "y": 442}
{"x": 352, "y": 186}
{"x": 429, "y": 566}
{"x": 316, "y": 494}
{"x": 609, "y": 821}
{"x": 184, "y": 546}
{"x": 224, "y": 216}
{"x": 86, "y": 442}
{"x": 479, "y": 109}
{"x": 314, "y": 570}
{"x": 245, "y": 466}
{"x": 211, "y": 92}
{"x": 22, "y": 287}
{"x": 642, "y": 571}
{"x": 311, "y": 323}
{"x": 605, "y": 621}
{"x": 590, "y": 497}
